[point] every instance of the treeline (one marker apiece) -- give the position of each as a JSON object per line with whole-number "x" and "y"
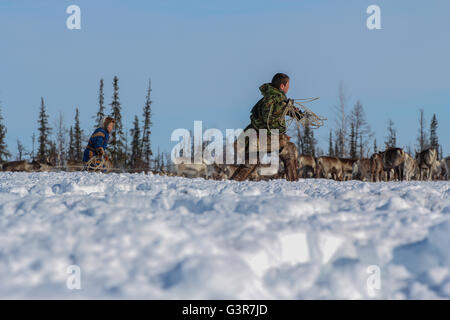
{"x": 353, "y": 138}
{"x": 128, "y": 149}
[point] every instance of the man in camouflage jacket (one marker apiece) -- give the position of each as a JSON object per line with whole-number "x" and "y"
{"x": 268, "y": 113}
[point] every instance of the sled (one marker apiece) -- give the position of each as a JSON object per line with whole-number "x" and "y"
{"x": 98, "y": 164}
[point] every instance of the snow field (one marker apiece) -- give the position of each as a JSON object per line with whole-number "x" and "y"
{"x": 153, "y": 237}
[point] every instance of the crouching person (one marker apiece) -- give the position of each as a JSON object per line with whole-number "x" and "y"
{"x": 268, "y": 113}
{"x": 96, "y": 147}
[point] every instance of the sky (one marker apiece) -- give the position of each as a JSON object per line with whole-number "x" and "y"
{"x": 207, "y": 58}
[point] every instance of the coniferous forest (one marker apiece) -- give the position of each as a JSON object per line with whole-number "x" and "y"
{"x": 131, "y": 150}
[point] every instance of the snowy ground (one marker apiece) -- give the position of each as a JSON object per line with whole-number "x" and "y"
{"x": 144, "y": 236}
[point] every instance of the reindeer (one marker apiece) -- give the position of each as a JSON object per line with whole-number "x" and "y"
{"x": 329, "y": 166}
{"x": 43, "y": 166}
{"x": 394, "y": 159}
{"x": 426, "y": 159}
{"x": 222, "y": 171}
{"x": 362, "y": 170}
{"x": 376, "y": 166}
{"x": 22, "y": 165}
{"x": 347, "y": 168}
{"x": 410, "y": 168}
{"x": 447, "y": 168}
{"x": 215, "y": 171}
{"x": 306, "y": 165}
{"x": 440, "y": 170}
{"x": 74, "y": 165}
{"x": 191, "y": 170}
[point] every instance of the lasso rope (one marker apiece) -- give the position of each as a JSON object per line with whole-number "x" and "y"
{"x": 95, "y": 164}
{"x": 302, "y": 115}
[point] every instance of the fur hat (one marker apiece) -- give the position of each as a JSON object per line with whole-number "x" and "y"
{"x": 107, "y": 121}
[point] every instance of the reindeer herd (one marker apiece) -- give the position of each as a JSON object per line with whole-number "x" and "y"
{"x": 23, "y": 165}
{"x": 391, "y": 164}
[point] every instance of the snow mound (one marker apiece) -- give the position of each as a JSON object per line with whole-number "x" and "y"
{"x": 147, "y": 236}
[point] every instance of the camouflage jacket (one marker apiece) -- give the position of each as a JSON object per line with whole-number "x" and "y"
{"x": 268, "y": 112}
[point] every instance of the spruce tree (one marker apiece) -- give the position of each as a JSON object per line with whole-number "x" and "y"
{"x": 71, "y": 151}
{"x": 352, "y": 141}
{"x": 118, "y": 154}
{"x": 127, "y": 153}
{"x": 309, "y": 144}
{"x": 77, "y": 136}
{"x": 434, "y": 142}
{"x": 4, "y": 153}
{"x": 101, "y": 107}
{"x": 136, "y": 152}
{"x": 330, "y": 145}
{"x": 52, "y": 153}
{"x": 33, "y": 143}
{"x": 375, "y": 147}
{"x": 146, "y": 131}
{"x": 391, "y": 138}
{"x": 44, "y": 133}
{"x": 61, "y": 141}
{"x": 422, "y": 138}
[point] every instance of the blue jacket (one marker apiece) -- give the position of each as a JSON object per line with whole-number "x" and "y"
{"x": 99, "y": 140}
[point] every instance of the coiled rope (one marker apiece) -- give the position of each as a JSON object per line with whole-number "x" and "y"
{"x": 302, "y": 115}
{"x": 95, "y": 164}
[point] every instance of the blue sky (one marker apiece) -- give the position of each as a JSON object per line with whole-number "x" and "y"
{"x": 207, "y": 59}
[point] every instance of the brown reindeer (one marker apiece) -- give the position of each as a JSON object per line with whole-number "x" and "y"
{"x": 362, "y": 170}
{"x": 410, "y": 168}
{"x": 74, "y": 165}
{"x": 42, "y": 166}
{"x": 394, "y": 159}
{"x": 15, "y": 166}
{"x": 440, "y": 170}
{"x": 191, "y": 170}
{"x": 347, "y": 168}
{"x": 447, "y": 168}
{"x": 376, "y": 166}
{"x": 329, "y": 166}
{"x": 307, "y": 166}
{"x": 426, "y": 159}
